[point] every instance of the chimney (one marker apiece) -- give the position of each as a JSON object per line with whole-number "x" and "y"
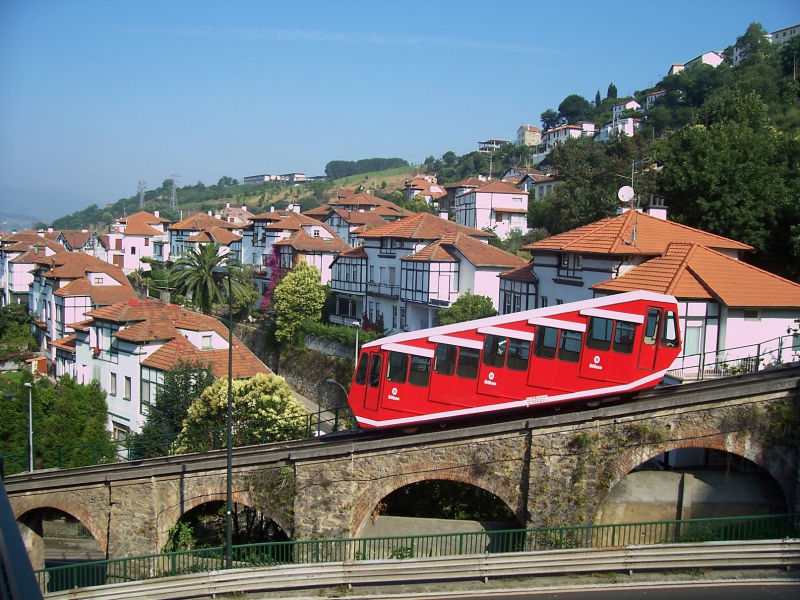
{"x": 209, "y": 213}
{"x": 227, "y": 205}
{"x": 244, "y": 206}
{"x": 41, "y": 233}
{"x": 272, "y": 208}
{"x": 49, "y": 230}
{"x": 155, "y": 212}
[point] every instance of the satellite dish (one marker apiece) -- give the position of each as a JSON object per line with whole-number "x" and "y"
{"x": 625, "y": 193}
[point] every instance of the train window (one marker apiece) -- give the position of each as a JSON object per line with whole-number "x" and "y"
{"x": 468, "y": 363}
{"x": 669, "y": 335}
{"x": 396, "y": 367}
{"x": 599, "y": 336}
{"x": 651, "y": 327}
{"x": 546, "y": 341}
{"x": 569, "y": 349}
{"x": 494, "y": 351}
{"x": 361, "y": 372}
{"x": 445, "y": 359}
{"x": 375, "y": 371}
{"x": 420, "y": 373}
{"x": 519, "y": 352}
{"x": 623, "y": 337}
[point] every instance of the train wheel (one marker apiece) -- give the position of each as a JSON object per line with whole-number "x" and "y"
{"x": 593, "y": 403}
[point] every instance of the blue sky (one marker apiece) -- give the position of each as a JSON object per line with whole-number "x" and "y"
{"x": 98, "y": 95}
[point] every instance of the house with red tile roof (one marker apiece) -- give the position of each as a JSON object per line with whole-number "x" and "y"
{"x": 141, "y": 235}
{"x": 128, "y": 346}
{"x": 361, "y": 202}
{"x": 66, "y": 286}
{"x": 426, "y": 187}
{"x": 406, "y": 271}
{"x": 495, "y": 205}
{"x": 204, "y": 228}
{"x": 726, "y": 306}
{"x": 17, "y": 254}
{"x": 294, "y": 237}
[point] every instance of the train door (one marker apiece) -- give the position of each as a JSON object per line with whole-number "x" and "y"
{"x": 372, "y": 395}
{"x": 648, "y": 349}
{"x": 504, "y": 368}
{"x": 358, "y": 389}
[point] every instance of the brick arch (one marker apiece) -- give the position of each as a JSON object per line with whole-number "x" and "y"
{"x": 708, "y": 438}
{"x": 66, "y": 503}
{"x": 426, "y": 471}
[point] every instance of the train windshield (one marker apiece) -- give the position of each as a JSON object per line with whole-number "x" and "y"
{"x": 651, "y": 328}
{"x": 669, "y": 335}
{"x": 375, "y": 371}
{"x": 361, "y": 372}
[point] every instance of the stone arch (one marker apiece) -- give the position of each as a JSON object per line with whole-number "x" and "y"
{"x": 96, "y": 524}
{"x": 427, "y": 471}
{"x": 712, "y": 439}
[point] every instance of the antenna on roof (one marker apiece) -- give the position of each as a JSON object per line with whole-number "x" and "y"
{"x": 625, "y": 194}
{"x": 142, "y": 185}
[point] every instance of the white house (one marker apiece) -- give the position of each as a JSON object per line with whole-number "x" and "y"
{"x": 66, "y": 286}
{"x": 727, "y": 308}
{"x": 651, "y": 98}
{"x": 426, "y": 187}
{"x": 782, "y": 36}
{"x": 495, "y": 205}
{"x": 18, "y": 251}
{"x": 618, "y": 127}
{"x": 708, "y": 58}
{"x": 619, "y": 109}
{"x": 406, "y": 271}
{"x": 490, "y": 146}
{"x": 559, "y": 135}
{"x": 138, "y": 236}
{"x": 347, "y": 223}
{"x": 127, "y": 347}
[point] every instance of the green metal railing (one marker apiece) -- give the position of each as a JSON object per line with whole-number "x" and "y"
{"x": 200, "y": 440}
{"x": 420, "y": 546}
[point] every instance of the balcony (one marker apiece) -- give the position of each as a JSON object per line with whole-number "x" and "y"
{"x": 387, "y": 290}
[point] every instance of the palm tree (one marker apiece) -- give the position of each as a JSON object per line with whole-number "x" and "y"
{"x": 191, "y": 276}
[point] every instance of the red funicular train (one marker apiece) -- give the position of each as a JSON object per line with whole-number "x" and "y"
{"x": 612, "y": 345}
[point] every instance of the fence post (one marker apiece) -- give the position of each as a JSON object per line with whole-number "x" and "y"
{"x": 702, "y": 364}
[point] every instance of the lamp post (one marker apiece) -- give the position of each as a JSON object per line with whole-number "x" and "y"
{"x": 357, "y": 326}
{"x": 219, "y": 274}
{"x": 30, "y": 425}
{"x": 334, "y": 382}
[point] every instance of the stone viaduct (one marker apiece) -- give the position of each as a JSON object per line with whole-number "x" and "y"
{"x": 550, "y": 468}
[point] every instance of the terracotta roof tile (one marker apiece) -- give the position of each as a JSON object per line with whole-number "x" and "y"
{"x": 357, "y": 217}
{"x": 468, "y": 182}
{"x": 300, "y": 240}
{"x": 495, "y": 187}
{"x": 141, "y": 228}
{"x": 201, "y": 222}
{"x": 144, "y": 217}
{"x": 692, "y": 271}
{"x": 74, "y": 265}
{"x": 478, "y": 253}
{"x": 524, "y": 273}
{"x": 614, "y": 236}
{"x": 357, "y": 252}
{"x": 65, "y": 343}
{"x": 216, "y": 235}
{"x": 76, "y": 238}
{"x": 421, "y": 226}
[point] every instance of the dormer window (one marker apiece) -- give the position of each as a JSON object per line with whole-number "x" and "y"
{"x": 206, "y": 345}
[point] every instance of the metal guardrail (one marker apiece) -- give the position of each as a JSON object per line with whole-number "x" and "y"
{"x": 730, "y": 555}
{"x": 140, "y": 447}
{"x": 270, "y": 554}
{"x": 738, "y": 360}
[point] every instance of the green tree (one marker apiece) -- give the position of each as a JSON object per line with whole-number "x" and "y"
{"x": 597, "y": 99}
{"x": 263, "y": 409}
{"x": 191, "y": 275}
{"x": 550, "y": 119}
{"x": 611, "y": 92}
{"x": 297, "y": 299}
{"x": 574, "y": 108}
{"x": 183, "y": 385}
{"x": 466, "y": 308}
{"x": 754, "y": 45}
{"x": 108, "y": 218}
{"x": 736, "y": 178}
{"x": 591, "y": 175}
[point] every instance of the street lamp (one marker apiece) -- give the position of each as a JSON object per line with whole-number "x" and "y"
{"x": 30, "y": 422}
{"x": 334, "y": 382}
{"x": 219, "y": 274}
{"x": 357, "y": 326}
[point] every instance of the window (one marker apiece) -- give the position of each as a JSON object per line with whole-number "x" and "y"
{"x": 146, "y": 241}
{"x": 445, "y": 359}
{"x": 494, "y": 351}
{"x": 402, "y": 317}
{"x": 375, "y": 371}
{"x": 468, "y": 363}
{"x": 559, "y": 301}
{"x": 206, "y": 342}
{"x": 669, "y": 333}
{"x": 544, "y": 302}
{"x": 98, "y": 281}
{"x": 127, "y": 395}
{"x": 112, "y": 385}
{"x": 397, "y": 367}
{"x": 519, "y": 352}
{"x": 145, "y": 393}
{"x": 133, "y": 249}
{"x": 623, "y": 337}
{"x": 361, "y": 372}
{"x": 119, "y": 432}
{"x": 599, "y": 334}
{"x": 752, "y": 315}
{"x": 394, "y": 317}
{"x": 316, "y": 232}
{"x": 546, "y": 340}
{"x": 691, "y": 342}
{"x": 569, "y": 349}
{"x": 420, "y": 373}
{"x": 651, "y": 327}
